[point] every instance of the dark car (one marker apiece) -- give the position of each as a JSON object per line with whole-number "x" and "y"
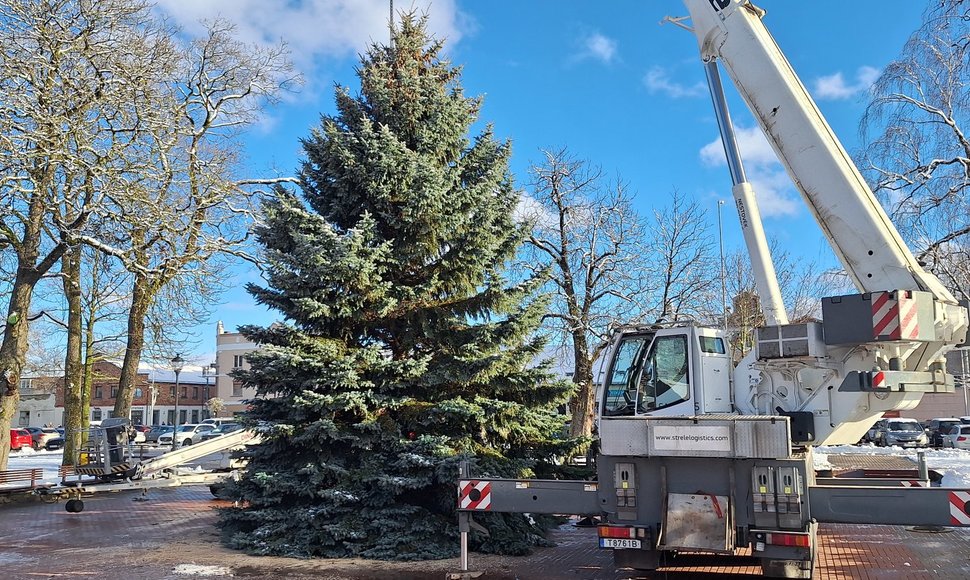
{"x": 54, "y": 444}
{"x": 939, "y": 428}
{"x": 156, "y": 431}
{"x": 221, "y": 430}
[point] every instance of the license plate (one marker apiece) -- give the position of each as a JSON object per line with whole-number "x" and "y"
{"x": 619, "y": 543}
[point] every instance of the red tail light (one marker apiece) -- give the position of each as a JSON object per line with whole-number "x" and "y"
{"x": 617, "y": 532}
{"x": 961, "y": 438}
{"x": 793, "y": 540}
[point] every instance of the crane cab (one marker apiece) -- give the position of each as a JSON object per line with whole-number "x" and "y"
{"x": 680, "y": 370}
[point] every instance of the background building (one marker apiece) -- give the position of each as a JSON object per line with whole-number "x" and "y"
{"x": 231, "y": 351}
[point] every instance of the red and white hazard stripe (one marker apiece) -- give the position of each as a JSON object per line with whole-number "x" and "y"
{"x": 474, "y": 495}
{"x": 914, "y": 483}
{"x": 879, "y": 380}
{"x": 894, "y": 318}
{"x": 959, "y": 502}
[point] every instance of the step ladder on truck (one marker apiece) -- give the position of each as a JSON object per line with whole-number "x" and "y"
{"x": 699, "y": 454}
{"x": 108, "y": 463}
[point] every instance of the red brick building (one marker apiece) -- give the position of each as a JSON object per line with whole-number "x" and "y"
{"x": 154, "y": 399}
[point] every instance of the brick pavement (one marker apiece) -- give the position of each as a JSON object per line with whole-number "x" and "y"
{"x": 118, "y": 537}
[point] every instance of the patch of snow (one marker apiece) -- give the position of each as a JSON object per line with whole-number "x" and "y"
{"x": 198, "y": 570}
{"x": 49, "y": 461}
{"x": 953, "y": 464}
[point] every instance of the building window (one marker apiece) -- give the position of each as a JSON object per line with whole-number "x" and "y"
{"x": 171, "y": 392}
{"x": 171, "y": 416}
{"x": 185, "y": 392}
{"x": 237, "y": 361}
{"x": 114, "y": 392}
{"x": 24, "y": 384}
{"x": 98, "y": 394}
{"x": 95, "y": 414}
{"x": 24, "y": 420}
{"x": 138, "y": 393}
{"x": 236, "y": 389}
{"x": 195, "y": 416}
{"x": 195, "y": 392}
{"x": 182, "y": 416}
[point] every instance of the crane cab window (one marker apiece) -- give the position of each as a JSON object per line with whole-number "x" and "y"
{"x": 623, "y": 380}
{"x": 641, "y": 381}
{"x": 712, "y": 344}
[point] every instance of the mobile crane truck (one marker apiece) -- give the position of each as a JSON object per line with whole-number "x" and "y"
{"x": 695, "y": 455}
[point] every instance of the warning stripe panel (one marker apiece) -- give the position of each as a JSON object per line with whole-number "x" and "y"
{"x": 474, "y": 495}
{"x": 959, "y": 503}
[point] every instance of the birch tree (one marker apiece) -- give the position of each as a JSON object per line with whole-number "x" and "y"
{"x": 585, "y": 228}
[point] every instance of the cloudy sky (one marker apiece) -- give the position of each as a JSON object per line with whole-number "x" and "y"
{"x": 606, "y": 80}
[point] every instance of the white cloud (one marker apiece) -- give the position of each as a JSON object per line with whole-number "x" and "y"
{"x": 657, "y": 80}
{"x": 314, "y": 29}
{"x": 834, "y": 87}
{"x": 600, "y": 47}
{"x": 772, "y": 186}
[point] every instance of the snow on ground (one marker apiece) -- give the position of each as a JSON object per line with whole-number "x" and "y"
{"x": 197, "y": 570}
{"x": 49, "y": 461}
{"x": 953, "y": 464}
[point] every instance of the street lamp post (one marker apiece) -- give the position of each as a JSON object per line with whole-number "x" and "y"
{"x": 207, "y": 371}
{"x": 177, "y": 363}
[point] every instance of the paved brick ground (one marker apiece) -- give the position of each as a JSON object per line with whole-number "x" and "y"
{"x": 119, "y": 537}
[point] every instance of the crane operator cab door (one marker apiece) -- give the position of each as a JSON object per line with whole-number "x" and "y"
{"x": 678, "y": 371}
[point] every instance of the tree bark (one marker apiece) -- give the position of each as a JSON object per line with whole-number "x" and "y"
{"x": 73, "y": 373}
{"x": 13, "y": 355}
{"x": 583, "y": 402}
{"x": 141, "y": 300}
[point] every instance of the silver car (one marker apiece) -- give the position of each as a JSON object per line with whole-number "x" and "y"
{"x": 901, "y": 432}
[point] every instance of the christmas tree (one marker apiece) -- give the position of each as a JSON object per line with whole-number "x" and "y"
{"x": 405, "y": 346}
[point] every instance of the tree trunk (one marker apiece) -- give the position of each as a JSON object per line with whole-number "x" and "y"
{"x": 141, "y": 299}
{"x": 13, "y": 354}
{"x": 90, "y": 357}
{"x": 583, "y": 402}
{"x": 73, "y": 373}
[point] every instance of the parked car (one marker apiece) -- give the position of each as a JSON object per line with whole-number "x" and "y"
{"x": 870, "y": 436}
{"x": 938, "y": 428}
{"x": 902, "y": 432}
{"x": 20, "y": 438}
{"x": 219, "y": 421}
{"x": 40, "y": 436}
{"x": 221, "y": 430}
{"x": 54, "y": 443}
{"x": 156, "y": 431}
{"x": 185, "y": 434}
{"x": 959, "y": 437}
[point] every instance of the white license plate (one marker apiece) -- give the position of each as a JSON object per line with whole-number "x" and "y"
{"x": 619, "y": 543}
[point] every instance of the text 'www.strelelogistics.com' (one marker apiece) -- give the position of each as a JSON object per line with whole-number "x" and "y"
{"x": 691, "y": 437}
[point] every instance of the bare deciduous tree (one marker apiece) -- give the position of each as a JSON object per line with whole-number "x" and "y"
{"x": 585, "y": 227}
{"x": 918, "y": 153}
{"x": 177, "y": 227}
{"x": 72, "y": 74}
{"x": 683, "y": 260}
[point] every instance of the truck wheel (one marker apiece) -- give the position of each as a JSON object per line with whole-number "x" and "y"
{"x": 74, "y": 506}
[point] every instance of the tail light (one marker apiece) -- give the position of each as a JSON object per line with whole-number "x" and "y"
{"x": 792, "y": 540}
{"x": 621, "y": 532}
{"x": 961, "y": 438}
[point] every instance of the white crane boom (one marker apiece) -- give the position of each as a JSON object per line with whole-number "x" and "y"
{"x": 858, "y": 229}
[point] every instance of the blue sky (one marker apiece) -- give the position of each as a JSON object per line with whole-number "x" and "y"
{"x": 604, "y": 79}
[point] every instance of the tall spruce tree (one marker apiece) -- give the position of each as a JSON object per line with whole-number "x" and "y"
{"x": 405, "y": 348}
